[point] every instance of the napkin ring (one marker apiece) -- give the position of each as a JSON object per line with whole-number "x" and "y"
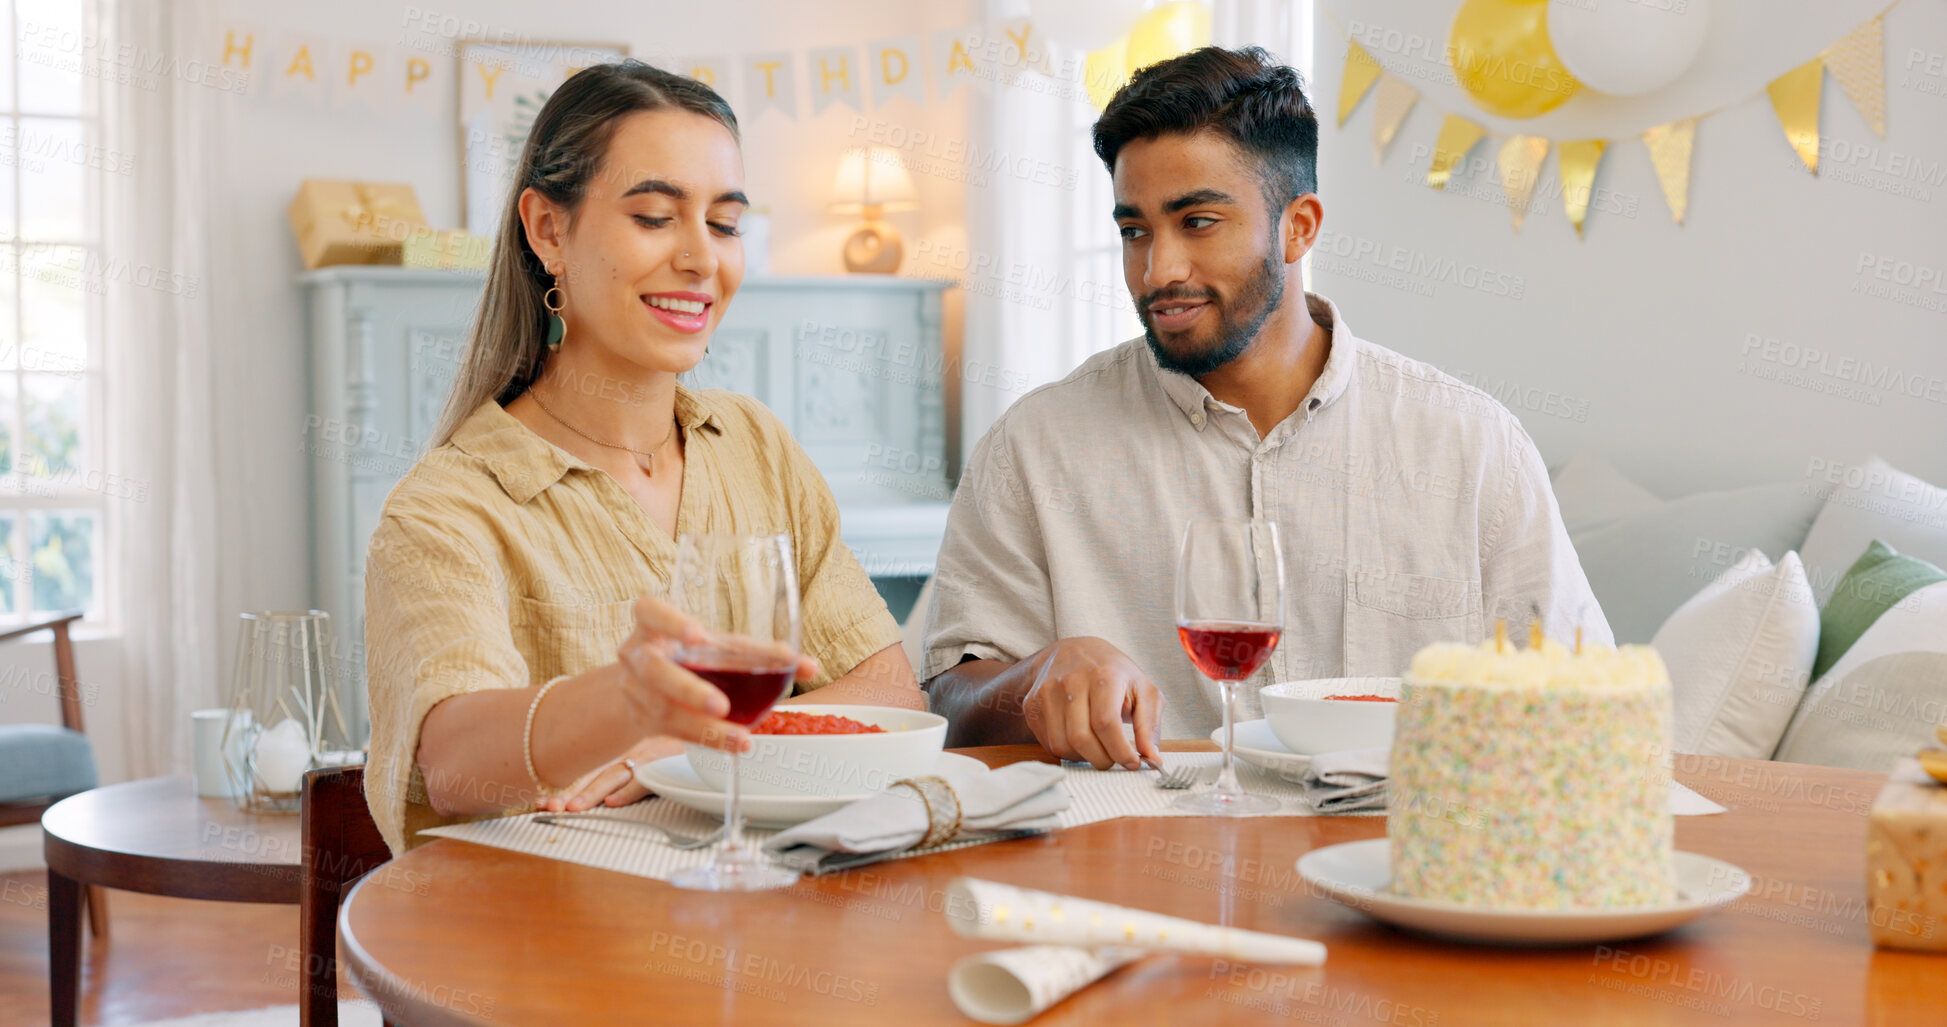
{"x": 942, "y": 808}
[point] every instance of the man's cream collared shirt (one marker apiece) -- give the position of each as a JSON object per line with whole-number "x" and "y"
{"x": 1413, "y": 508}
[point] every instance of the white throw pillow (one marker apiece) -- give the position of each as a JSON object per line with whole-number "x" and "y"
{"x": 1740, "y": 653}
{"x": 1868, "y": 501}
{"x": 1643, "y": 566}
{"x": 1882, "y": 699}
{"x": 1590, "y": 491}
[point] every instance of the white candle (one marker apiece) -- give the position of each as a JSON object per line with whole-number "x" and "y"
{"x": 282, "y": 756}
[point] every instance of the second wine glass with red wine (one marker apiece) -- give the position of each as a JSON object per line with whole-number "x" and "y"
{"x": 744, "y": 590}
{"x": 1229, "y": 616}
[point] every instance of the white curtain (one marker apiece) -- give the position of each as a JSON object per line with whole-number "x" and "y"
{"x": 158, "y": 376}
{"x": 1039, "y": 335}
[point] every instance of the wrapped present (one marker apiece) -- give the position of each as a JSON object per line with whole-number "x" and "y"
{"x": 1906, "y": 861}
{"x": 452, "y": 250}
{"x": 354, "y": 222}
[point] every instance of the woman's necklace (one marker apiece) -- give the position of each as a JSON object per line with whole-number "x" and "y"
{"x": 644, "y": 459}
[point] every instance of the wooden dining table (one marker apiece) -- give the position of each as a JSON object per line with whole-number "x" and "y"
{"x": 466, "y": 934}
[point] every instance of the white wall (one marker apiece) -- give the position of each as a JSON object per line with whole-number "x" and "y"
{"x": 1640, "y": 331}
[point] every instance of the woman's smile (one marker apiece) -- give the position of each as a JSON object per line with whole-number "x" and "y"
{"x": 684, "y": 311}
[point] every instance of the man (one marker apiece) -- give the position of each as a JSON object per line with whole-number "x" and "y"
{"x": 1414, "y": 508}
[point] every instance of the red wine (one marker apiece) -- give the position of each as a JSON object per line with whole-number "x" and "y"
{"x": 1228, "y": 650}
{"x": 752, "y": 693}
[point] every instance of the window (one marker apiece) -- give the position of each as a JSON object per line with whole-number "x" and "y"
{"x": 53, "y": 497}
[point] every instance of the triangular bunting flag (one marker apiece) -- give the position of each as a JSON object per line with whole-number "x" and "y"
{"x": 1579, "y": 158}
{"x": 1361, "y": 71}
{"x": 1669, "y": 147}
{"x": 1795, "y": 96}
{"x": 1388, "y": 112}
{"x": 1457, "y": 136}
{"x": 1521, "y": 159}
{"x": 1859, "y": 63}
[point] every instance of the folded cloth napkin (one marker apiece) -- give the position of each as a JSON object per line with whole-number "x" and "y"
{"x": 1346, "y": 782}
{"x": 1018, "y": 799}
{"x": 1354, "y": 781}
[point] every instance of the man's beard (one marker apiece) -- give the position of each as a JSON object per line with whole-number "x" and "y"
{"x": 1237, "y": 325}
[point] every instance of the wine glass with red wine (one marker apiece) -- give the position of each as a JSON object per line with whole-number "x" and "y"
{"x": 1229, "y": 615}
{"x": 744, "y": 591}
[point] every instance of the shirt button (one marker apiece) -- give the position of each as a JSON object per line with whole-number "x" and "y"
{"x": 1196, "y": 419}
{"x": 1259, "y": 455}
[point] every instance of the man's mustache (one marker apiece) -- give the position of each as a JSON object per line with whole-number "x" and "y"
{"x": 1181, "y": 295}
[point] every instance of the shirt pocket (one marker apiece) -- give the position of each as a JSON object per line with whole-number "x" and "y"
{"x": 1389, "y": 618}
{"x": 569, "y": 638}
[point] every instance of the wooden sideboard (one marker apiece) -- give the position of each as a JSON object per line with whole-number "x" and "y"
{"x": 853, "y": 365}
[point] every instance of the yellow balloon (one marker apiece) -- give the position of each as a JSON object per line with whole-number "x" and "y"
{"x": 1166, "y": 31}
{"x": 1106, "y": 71}
{"x": 1502, "y": 57}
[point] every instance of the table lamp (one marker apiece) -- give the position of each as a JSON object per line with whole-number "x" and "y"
{"x": 871, "y": 182}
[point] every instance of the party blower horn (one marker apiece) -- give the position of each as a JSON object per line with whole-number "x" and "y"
{"x": 1002, "y": 912}
{"x": 1009, "y": 986}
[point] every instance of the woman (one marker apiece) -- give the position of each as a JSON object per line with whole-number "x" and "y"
{"x": 521, "y": 551}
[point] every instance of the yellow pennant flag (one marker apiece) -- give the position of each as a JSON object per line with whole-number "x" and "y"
{"x": 1859, "y": 63}
{"x": 1388, "y": 112}
{"x": 1521, "y": 159}
{"x": 1361, "y": 71}
{"x": 1579, "y": 159}
{"x": 1457, "y": 136}
{"x": 1669, "y": 147}
{"x": 1795, "y": 96}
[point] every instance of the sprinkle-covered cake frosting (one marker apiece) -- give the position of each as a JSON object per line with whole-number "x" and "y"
{"x": 1532, "y": 778}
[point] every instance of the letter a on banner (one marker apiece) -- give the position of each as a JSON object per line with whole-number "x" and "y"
{"x": 893, "y": 66}
{"x": 771, "y": 81}
{"x": 955, "y": 61}
{"x": 302, "y": 63}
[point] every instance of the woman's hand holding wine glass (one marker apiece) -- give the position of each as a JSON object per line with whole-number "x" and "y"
{"x": 664, "y": 693}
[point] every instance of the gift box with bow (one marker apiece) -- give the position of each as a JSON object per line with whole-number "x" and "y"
{"x": 354, "y": 222}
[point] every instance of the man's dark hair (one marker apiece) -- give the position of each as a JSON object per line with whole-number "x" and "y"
{"x": 1245, "y": 95}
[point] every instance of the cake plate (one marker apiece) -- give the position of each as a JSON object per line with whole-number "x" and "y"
{"x": 1358, "y": 873}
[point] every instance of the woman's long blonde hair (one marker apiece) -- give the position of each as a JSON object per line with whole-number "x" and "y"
{"x": 507, "y": 345}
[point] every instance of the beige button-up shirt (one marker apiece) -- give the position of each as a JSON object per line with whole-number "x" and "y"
{"x": 501, "y": 561}
{"x": 1413, "y": 509}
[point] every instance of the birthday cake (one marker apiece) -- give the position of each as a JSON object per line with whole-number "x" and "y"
{"x": 1532, "y": 778}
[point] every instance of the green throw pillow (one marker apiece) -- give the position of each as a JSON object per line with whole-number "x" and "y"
{"x": 1876, "y": 582}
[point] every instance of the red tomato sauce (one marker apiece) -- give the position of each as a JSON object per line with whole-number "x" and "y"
{"x": 782, "y": 722}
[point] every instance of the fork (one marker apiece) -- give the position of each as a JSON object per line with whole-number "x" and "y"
{"x": 676, "y": 840}
{"x": 1181, "y": 777}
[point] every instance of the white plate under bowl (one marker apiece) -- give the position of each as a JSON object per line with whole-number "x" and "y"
{"x": 1260, "y": 748}
{"x": 1307, "y": 722}
{"x": 672, "y": 778}
{"x": 1358, "y": 874}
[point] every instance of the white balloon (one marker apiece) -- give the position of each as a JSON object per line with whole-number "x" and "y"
{"x": 1627, "y": 47}
{"x": 1084, "y": 24}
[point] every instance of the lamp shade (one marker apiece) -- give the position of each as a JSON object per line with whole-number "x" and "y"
{"x": 871, "y": 176}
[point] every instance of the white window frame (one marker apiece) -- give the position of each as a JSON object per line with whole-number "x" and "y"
{"x": 88, "y": 489}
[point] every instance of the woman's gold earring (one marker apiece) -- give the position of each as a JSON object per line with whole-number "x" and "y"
{"x": 553, "y": 299}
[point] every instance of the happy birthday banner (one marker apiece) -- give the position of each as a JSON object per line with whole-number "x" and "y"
{"x": 414, "y": 75}
{"x": 1857, "y": 61}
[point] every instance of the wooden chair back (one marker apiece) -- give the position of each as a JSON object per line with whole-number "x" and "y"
{"x": 341, "y": 844}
